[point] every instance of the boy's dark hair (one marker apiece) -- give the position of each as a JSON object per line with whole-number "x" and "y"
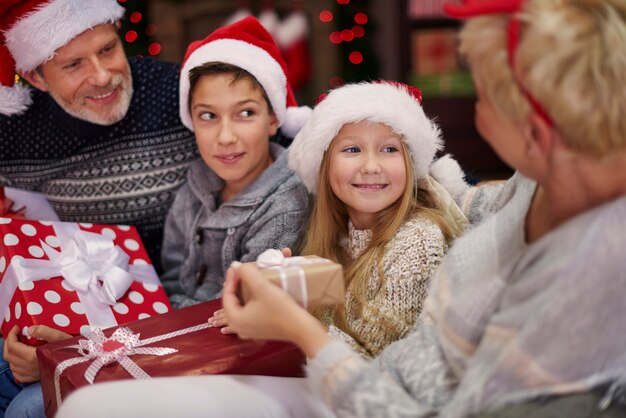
{"x": 216, "y": 67}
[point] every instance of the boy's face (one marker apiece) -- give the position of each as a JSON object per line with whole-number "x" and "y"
{"x": 232, "y": 124}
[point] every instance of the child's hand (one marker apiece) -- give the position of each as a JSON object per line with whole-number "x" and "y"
{"x": 220, "y": 320}
{"x": 22, "y": 358}
{"x": 270, "y": 313}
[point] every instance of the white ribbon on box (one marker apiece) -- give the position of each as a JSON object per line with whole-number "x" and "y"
{"x": 122, "y": 344}
{"x": 90, "y": 263}
{"x": 292, "y": 277}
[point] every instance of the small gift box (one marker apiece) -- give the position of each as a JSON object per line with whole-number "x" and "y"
{"x": 180, "y": 343}
{"x": 74, "y": 276}
{"x": 312, "y": 281}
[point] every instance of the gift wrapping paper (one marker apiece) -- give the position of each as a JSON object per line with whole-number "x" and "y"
{"x": 312, "y": 281}
{"x": 179, "y": 343}
{"x": 73, "y": 277}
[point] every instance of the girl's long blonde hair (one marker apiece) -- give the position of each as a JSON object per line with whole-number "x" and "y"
{"x": 329, "y": 223}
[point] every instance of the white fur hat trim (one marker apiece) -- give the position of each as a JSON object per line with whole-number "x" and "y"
{"x": 376, "y": 102}
{"x": 251, "y": 58}
{"x": 33, "y": 39}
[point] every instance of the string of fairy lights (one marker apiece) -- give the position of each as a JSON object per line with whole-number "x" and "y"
{"x": 350, "y": 22}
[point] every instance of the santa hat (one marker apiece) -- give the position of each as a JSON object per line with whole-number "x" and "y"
{"x": 32, "y": 30}
{"x": 394, "y": 104}
{"x": 247, "y": 45}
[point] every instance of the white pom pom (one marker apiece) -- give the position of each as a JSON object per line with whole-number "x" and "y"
{"x": 448, "y": 173}
{"x": 14, "y": 100}
{"x": 295, "y": 118}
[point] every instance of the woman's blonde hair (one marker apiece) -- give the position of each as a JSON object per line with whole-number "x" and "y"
{"x": 328, "y": 224}
{"x": 572, "y": 58}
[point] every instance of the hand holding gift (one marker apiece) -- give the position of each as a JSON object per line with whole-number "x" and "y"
{"x": 23, "y": 358}
{"x": 270, "y": 313}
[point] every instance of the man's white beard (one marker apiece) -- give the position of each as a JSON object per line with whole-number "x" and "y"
{"x": 113, "y": 116}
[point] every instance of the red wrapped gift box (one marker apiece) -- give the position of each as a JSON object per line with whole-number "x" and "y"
{"x": 73, "y": 277}
{"x": 199, "y": 350}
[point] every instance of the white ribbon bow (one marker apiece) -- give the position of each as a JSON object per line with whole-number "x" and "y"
{"x": 123, "y": 343}
{"x": 117, "y": 348}
{"x": 92, "y": 265}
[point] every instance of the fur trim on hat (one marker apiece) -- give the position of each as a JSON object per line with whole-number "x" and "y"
{"x": 376, "y": 102}
{"x": 33, "y": 39}
{"x": 295, "y": 119}
{"x": 246, "y": 56}
{"x": 448, "y": 173}
{"x": 14, "y": 100}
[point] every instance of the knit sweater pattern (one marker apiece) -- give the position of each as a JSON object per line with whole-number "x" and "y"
{"x": 410, "y": 259}
{"x": 126, "y": 173}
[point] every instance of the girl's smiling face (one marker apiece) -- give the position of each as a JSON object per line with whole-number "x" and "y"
{"x": 367, "y": 171}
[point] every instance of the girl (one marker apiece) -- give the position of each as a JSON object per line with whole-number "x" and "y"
{"x": 377, "y": 210}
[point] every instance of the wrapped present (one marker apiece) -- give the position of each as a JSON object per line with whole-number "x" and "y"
{"x": 74, "y": 276}
{"x": 419, "y": 9}
{"x": 27, "y": 204}
{"x": 434, "y": 51}
{"x": 312, "y": 281}
{"x": 180, "y": 343}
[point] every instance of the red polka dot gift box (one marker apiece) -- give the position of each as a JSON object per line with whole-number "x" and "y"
{"x": 74, "y": 277}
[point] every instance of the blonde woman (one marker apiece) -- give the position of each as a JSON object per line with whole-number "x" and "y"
{"x": 366, "y": 154}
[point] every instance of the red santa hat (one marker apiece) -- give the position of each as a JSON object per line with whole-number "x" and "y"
{"x": 394, "y": 104}
{"x": 247, "y": 45}
{"x": 32, "y": 30}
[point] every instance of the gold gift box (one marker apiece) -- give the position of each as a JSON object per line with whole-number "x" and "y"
{"x": 312, "y": 281}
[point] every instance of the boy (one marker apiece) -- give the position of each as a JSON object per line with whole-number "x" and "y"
{"x": 241, "y": 198}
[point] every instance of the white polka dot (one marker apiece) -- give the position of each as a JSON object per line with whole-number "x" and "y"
{"x": 131, "y": 244}
{"x": 160, "y": 307}
{"x": 52, "y": 296}
{"x": 7, "y": 314}
{"x": 124, "y": 227}
{"x": 121, "y": 308}
{"x": 61, "y": 320}
{"x": 109, "y": 233}
{"x": 5, "y": 221}
{"x": 17, "y": 259}
{"x": 28, "y": 230}
{"x": 150, "y": 287}
{"x": 18, "y": 310}
{"x": 52, "y": 241}
{"x": 46, "y": 223}
{"x": 140, "y": 262}
{"x": 85, "y": 330}
{"x": 33, "y": 308}
{"x": 3, "y": 264}
{"x": 144, "y": 315}
{"x": 86, "y": 225}
{"x": 35, "y": 251}
{"x": 67, "y": 286}
{"x": 78, "y": 308}
{"x": 135, "y": 297}
{"x": 25, "y": 332}
{"x": 11, "y": 239}
{"x": 28, "y": 285}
